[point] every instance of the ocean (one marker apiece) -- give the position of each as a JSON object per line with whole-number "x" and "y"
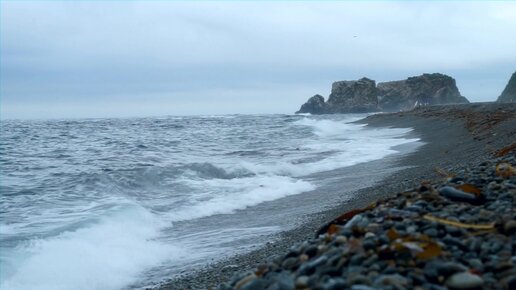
{"x": 125, "y": 203}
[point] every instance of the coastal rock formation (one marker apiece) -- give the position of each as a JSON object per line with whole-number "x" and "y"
{"x": 353, "y": 96}
{"x": 424, "y": 90}
{"x": 314, "y": 105}
{"x": 358, "y": 96}
{"x": 509, "y": 93}
{"x": 363, "y": 95}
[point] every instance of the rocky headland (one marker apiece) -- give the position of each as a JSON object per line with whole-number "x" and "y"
{"x": 509, "y": 93}
{"x": 363, "y": 95}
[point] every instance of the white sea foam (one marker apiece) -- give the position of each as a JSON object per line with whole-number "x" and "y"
{"x": 342, "y": 144}
{"x": 218, "y": 116}
{"x": 6, "y": 229}
{"x": 106, "y": 255}
{"x": 224, "y": 196}
{"x": 93, "y": 237}
{"x": 327, "y": 128}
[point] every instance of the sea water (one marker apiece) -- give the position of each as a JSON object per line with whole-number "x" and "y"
{"x": 126, "y": 203}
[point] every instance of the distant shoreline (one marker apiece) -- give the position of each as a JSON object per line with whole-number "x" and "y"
{"x": 454, "y": 136}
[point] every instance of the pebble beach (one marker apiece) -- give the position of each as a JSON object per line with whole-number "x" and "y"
{"x": 446, "y": 221}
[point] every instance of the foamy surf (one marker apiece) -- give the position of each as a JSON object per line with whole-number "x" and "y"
{"x": 228, "y": 195}
{"x": 124, "y": 202}
{"x": 106, "y": 255}
{"x": 343, "y": 143}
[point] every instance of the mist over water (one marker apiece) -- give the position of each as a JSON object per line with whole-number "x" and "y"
{"x": 114, "y": 203}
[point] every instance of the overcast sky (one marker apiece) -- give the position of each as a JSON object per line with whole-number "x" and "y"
{"x": 118, "y": 58}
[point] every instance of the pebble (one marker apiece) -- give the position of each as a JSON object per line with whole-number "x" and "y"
{"x": 289, "y": 262}
{"x": 302, "y": 282}
{"x": 395, "y": 280}
{"x": 509, "y": 227}
{"x": 311, "y": 251}
{"x": 256, "y": 284}
{"x": 369, "y": 244}
{"x": 309, "y": 267}
{"x": 358, "y": 279}
{"x": 334, "y": 284}
{"x": 284, "y": 282}
{"x": 476, "y": 264}
{"x": 394, "y": 246}
{"x": 357, "y": 259}
{"x": 464, "y": 280}
{"x": 431, "y": 232}
{"x": 457, "y": 195}
{"x": 341, "y": 239}
{"x": 362, "y": 287}
{"x": 449, "y": 268}
{"x": 244, "y": 281}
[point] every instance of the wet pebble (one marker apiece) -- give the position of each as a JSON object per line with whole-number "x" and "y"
{"x": 463, "y": 281}
{"x": 394, "y": 245}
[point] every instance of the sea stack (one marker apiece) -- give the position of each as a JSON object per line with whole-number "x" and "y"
{"x": 363, "y": 95}
{"x": 509, "y": 93}
{"x": 314, "y": 105}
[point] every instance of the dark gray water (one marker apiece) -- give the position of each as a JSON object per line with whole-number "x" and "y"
{"x": 110, "y": 203}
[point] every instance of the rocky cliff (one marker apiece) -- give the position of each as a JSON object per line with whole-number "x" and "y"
{"x": 424, "y": 90}
{"x": 509, "y": 93}
{"x": 353, "y": 96}
{"x": 346, "y": 97}
{"x": 364, "y": 96}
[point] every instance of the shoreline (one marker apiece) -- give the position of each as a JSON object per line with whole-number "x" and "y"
{"x": 453, "y": 136}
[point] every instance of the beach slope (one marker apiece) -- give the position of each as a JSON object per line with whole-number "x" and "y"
{"x": 446, "y": 220}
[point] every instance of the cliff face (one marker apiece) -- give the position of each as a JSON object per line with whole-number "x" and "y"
{"x": 346, "y": 97}
{"x": 364, "y": 96}
{"x": 424, "y": 90}
{"x": 509, "y": 93}
{"x": 353, "y": 96}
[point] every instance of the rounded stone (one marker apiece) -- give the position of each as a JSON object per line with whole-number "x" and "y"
{"x": 302, "y": 281}
{"x": 395, "y": 280}
{"x": 369, "y": 244}
{"x": 431, "y": 232}
{"x": 369, "y": 235}
{"x": 362, "y": 287}
{"x": 509, "y": 227}
{"x": 334, "y": 284}
{"x": 464, "y": 280}
{"x": 476, "y": 264}
{"x": 311, "y": 251}
{"x": 449, "y": 268}
{"x": 256, "y": 284}
{"x": 341, "y": 239}
{"x": 245, "y": 280}
{"x": 289, "y": 262}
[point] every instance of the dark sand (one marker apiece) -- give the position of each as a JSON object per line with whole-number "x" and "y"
{"x": 454, "y": 136}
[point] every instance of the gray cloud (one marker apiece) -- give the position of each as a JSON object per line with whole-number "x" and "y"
{"x": 146, "y": 58}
